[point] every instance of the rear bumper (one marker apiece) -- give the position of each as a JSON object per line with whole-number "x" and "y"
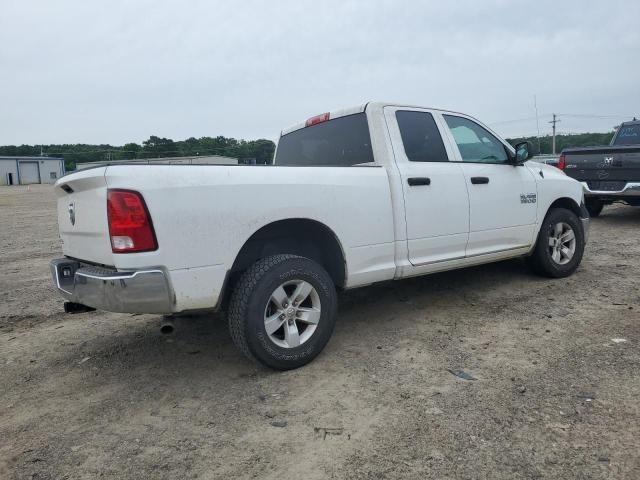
{"x": 135, "y": 291}
{"x": 631, "y": 189}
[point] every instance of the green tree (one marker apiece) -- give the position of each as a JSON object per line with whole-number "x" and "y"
{"x": 159, "y": 147}
{"x": 130, "y": 151}
{"x": 155, "y": 147}
{"x": 564, "y": 141}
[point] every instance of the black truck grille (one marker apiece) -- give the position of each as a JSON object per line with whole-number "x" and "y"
{"x": 609, "y": 186}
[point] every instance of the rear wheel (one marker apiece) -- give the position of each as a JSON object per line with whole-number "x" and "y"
{"x": 560, "y": 244}
{"x": 282, "y": 311}
{"x": 594, "y": 206}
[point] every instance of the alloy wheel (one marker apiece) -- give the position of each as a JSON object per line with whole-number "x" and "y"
{"x": 292, "y": 313}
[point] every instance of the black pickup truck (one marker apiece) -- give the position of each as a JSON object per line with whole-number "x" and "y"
{"x": 608, "y": 173}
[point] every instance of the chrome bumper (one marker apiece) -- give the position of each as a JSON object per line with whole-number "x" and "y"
{"x": 629, "y": 190}
{"x": 138, "y": 291}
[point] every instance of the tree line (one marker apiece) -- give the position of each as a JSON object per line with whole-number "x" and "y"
{"x": 545, "y": 144}
{"x": 259, "y": 151}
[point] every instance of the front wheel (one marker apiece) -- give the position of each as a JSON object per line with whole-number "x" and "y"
{"x": 560, "y": 245}
{"x": 282, "y": 311}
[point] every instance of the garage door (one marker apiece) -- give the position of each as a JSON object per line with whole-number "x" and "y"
{"x": 29, "y": 173}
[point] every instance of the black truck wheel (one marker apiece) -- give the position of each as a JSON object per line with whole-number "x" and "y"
{"x": 282, "y": 311}
{"x": 560, "y": 244}
{"x": 594, "y": 206}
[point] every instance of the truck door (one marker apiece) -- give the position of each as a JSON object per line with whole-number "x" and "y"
{"x": 502, "y": 196}
{"x": 435, "y": 194}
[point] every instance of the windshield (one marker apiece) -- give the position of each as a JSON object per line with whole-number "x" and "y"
{"x": 344, "y": 141}
{"x": 628, "y": 135}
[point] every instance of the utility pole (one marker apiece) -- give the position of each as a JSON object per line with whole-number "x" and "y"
{"x": 553, "y": 123}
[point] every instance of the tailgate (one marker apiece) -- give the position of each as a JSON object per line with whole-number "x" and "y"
{"x": 604, "y": 169}
{"x": 82, "y": 216}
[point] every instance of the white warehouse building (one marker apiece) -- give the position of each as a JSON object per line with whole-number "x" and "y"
{"x": 29, "y": 170}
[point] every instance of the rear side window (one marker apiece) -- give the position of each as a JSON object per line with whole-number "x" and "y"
{"x": 420, "y": 137}
{"x": 628, "y": 135}
{"x": 344, "y": 141}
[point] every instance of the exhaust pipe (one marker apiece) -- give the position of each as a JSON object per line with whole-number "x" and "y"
{"x": 167, "y": 326}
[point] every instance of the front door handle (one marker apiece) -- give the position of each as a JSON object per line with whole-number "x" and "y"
{"x": 479, "y": 180}
{"x": 415, "y": 181}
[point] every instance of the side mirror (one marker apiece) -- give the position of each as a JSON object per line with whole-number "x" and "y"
{"x": 523, "y": 152}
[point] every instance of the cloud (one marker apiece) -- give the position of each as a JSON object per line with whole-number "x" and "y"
{"x": 113, "y": 72}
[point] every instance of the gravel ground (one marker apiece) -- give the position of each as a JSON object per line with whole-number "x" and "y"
{"x": 106, "y": 395}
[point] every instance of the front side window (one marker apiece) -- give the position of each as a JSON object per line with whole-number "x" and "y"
{"x": 343, "y": 142}
{"x": 475, "y": 143}
{"x": 420, "y": 137}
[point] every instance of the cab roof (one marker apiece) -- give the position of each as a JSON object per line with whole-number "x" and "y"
{"x": 630, "y": 122}
{"x": 356, "y": 109}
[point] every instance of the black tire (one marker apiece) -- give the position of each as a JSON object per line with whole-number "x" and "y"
{"x": 594, "y": 206}
{"x": 541, "y": 261}
{"x": 251, "y": 296}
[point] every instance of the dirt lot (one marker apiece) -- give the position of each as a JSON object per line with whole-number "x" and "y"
{"x": 106, "y": 395}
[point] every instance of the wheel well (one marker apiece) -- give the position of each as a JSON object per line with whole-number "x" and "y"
{"x": 567, "y": 203}
{"x": 304, "y": 237}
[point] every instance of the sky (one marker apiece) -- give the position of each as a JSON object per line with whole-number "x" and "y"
{"x": 77, "y": 71}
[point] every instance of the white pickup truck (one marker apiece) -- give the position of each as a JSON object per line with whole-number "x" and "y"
{"x": 358, "y": 196}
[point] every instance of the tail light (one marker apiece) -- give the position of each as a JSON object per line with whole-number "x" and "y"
{"x": 130, "y": 224}
{"x": 561, "y": 163}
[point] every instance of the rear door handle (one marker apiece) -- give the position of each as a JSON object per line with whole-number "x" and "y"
{"x": 415, "y": 181}
{"x": 479, "y": 180}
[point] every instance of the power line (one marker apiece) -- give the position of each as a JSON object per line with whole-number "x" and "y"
{"x": 584, "y": 115}
{"x": 513, "y": 121}
{"x": 579, "y": 115}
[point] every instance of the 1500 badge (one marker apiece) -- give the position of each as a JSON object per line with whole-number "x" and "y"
{"x": 528, "y": 198}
